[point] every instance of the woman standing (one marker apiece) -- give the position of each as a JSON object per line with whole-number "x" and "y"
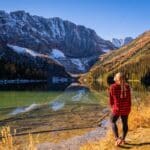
{"x": 120, "y": 102}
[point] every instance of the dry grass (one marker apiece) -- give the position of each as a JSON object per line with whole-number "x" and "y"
{"x": 9, "y": 143}
{"x": 29, "y": 142}
{"x": 138, "y": 137}
{"x": 7, "y": 140}
{"x": 140, "y": 116}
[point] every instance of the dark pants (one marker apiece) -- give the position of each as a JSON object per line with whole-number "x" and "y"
{"x": 124, "y": 120}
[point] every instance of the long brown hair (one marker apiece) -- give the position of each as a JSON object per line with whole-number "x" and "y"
{"x": 121, "y": 78}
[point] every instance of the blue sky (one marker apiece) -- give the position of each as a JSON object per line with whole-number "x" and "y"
{"x": 109, "y": 18}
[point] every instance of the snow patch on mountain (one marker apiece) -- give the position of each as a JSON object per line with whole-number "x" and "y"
{"x": 57, "y": 53}
{"x": 105, "y": 50}
{"x": 23, "y": 50}
{"x": 78, "y": 63}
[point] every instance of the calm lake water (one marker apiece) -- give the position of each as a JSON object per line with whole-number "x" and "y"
{"x": 43, "y": 107}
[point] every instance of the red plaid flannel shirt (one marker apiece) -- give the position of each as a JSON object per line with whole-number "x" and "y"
{"x": 120, "y": 105}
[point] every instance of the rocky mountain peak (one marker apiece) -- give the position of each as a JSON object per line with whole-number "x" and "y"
{"x": 121, "y": 42}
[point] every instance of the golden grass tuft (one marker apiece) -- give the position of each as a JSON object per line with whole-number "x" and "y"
{"x": 8, "y": 142}
{"x": 140, "y": 116}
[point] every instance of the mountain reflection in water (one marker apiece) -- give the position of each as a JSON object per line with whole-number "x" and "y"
{"x": 73, "y": 93}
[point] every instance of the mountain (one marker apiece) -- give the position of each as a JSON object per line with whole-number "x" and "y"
{"x": 133, "y": 59}
{"x": 79, "y": 46}
{"x": 121, "y": 42}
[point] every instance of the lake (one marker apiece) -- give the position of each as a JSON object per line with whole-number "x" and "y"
{"x": 40, "y": 107}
